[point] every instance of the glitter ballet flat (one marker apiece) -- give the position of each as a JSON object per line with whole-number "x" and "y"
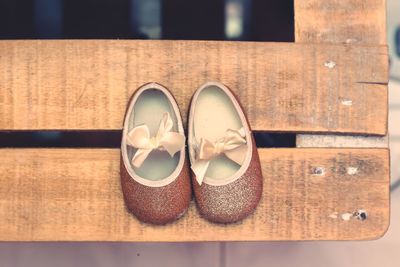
{"x": 227, "y": 179}
{"x": 154, "y": 169}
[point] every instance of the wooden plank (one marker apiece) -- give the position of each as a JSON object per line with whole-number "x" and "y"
{"x": 340, "y": 21}
{"x": 283, "y": 86}
{"x": 75, "y": 195}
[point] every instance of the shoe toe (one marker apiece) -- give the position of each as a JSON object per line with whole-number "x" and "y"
{"x": 157, "y": 205}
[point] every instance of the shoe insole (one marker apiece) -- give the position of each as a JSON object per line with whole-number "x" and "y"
{"x": 213, "y": 115}
{"x": 149, "y": 109}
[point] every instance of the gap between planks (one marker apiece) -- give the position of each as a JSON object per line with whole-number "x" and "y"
{"x": 309, "y": 194}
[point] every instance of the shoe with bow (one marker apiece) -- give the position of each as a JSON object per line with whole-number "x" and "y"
{"x": 154, "y": 170}
{"x": 224, "y": 158}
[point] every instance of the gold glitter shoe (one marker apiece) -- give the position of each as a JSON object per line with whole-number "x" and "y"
{"x": 224, "y": 159}
{"x": 154, "y": 169}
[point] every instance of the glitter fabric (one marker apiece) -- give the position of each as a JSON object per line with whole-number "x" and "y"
{"x": 157, "y": 205}
{"x": 234, "y": 201}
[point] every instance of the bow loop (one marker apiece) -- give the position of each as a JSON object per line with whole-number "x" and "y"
{"x": 166, "y": 125}
{"x": 233, "y": 145}
{"x": 139, "y": 137}
{"x": 233, "y": 139}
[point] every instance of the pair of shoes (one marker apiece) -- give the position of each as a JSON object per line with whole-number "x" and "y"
{"x": 155, "y": 173}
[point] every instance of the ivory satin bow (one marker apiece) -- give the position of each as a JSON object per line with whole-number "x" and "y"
{"x": 233, "y": 145}
{"x": 139, "y": 137}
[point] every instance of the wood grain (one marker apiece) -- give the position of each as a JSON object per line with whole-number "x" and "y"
{"x": 340, "y": 21}
{"x": 283, "y": 87}
{"x": 49, "y": 195}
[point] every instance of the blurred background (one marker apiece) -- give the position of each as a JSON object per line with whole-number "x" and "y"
{"x": 255, "y": 20}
